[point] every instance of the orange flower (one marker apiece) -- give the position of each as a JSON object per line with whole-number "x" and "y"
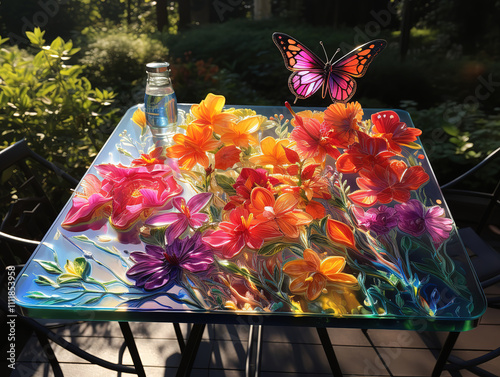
{"x": 191, "y": 148}
{"x": 340, "y": 233}
{"x": 342, "y": 119}
{"x": 226, "y": 157}
{"x": 318, "y": 115}
{"x": 312, "y": 274}
{"x": 152, "y": 158}
{"x": 209, "y": 113}
{"x": 281, "y": 211}
{"x": 273, "y": 152}
{"x": 240, "y": 134}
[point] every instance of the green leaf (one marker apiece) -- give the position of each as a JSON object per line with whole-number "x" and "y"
{"x": 93, "y": 300}
{"x": 68, "y": 278}
{"x": 156, "y": 237}
{"x": 226, "y": 183}
{"x": 37, "y": 295}
{"x": 57, "y": 44}
{"x": 82, "y": 267}
{"x": 50, "y": 267}
{"x": 273, "y": 248}
{"x": 43, "y": 280}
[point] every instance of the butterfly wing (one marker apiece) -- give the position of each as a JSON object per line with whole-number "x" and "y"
{"x": 308, "y": 70}
{"x": 341, "y": 84}
{"x": 341, "y": 87}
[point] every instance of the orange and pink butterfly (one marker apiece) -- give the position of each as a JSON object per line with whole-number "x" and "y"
{"x": 310, "y": 72}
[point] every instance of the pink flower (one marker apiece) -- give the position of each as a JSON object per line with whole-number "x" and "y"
{"x": 188, "y": 216}
{"x": 138, "y": 192}
{"x": 416, "y": 219}
{"x": 124, "y": 196}
{"x": 91, "y": 208}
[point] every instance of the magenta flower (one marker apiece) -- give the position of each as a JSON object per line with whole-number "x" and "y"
{"x": 125, "y": 196}
{"x": 138, "y": 192}
{"x": 188, "y": 216}
{"x": 91, "y": 208}
{"x": 378, "y": 220}
{"x": 159, "y": 267}
{"x": 416, "y": 219}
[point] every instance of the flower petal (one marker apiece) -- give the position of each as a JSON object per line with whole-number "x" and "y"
{"x": 199, "y": 201}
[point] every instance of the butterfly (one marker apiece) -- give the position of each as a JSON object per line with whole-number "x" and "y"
{"x": 310, "y": 72}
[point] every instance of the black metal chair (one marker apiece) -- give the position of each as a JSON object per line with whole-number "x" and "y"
{"x": 485, "y": 259}
{"x": 28, "y": 215}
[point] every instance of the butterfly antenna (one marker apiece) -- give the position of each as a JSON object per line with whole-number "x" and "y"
{"x": 336, "y": 52}
{"x": 324, "y": 50}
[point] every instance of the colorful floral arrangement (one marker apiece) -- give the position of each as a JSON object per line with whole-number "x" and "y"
{"x": 327, "y": 213}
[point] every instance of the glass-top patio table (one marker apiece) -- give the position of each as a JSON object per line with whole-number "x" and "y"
{"x": 325, "y": 221}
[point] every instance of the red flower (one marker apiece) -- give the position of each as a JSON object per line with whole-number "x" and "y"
{"x": 384, "y": 184}
{"x": 247, "y": 180}
{"x": 388, "y": 125}
{"x": 364, "y": 154}
{"x": 312, "y": 141}
{"x": 241, "y": 231}
{"x": 226, "y": 157}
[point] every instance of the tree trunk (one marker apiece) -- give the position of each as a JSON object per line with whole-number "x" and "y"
{"x": 161, "y": 14}
{"x": 261, "y": 9}
{"x": 405, "y": 28}
{"x": 184, "y": 13}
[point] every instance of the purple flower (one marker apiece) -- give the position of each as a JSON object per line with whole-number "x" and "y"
{"x": 379, "y": 220}
{"x": 159, "y": 267}
{"x": 416, "y": 219}
{"x": 188, "y": 215}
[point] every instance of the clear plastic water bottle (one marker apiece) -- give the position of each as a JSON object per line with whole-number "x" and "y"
{"x": 160, "y": 103}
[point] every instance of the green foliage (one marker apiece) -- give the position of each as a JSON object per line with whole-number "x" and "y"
{"x": 456, "y": 137}
{"x": 117, "y": 58}
{"x": 50, "y": 103}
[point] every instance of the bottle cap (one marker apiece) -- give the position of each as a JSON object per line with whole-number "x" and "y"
{"x": 158, "y": 67}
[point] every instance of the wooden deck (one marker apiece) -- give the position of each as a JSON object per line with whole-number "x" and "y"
{"x": 286, "y": 352}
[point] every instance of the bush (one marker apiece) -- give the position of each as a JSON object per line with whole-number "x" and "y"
{"x": 456, "y": 137}
{"x": 116, "y": 58}
{"x": 52, "y": 105}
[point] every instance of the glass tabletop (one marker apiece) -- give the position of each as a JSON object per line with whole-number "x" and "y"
{"x": 331, "y": 218}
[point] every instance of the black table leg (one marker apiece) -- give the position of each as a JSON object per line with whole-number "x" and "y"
{"x": 132, "y": 348}
{"x": 445, "y": 353}
{"x": 180, "y": 337}
{"x": 330, "y": 353}
{"x": 189, "y": 353}
{"x": 49, "y": 352}
{"x": 250, "y": 351}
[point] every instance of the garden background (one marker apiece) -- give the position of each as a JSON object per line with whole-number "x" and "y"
{"x": 70, "y": 68}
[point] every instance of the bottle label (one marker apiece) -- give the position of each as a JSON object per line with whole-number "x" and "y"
{"x": 161, "y": 111}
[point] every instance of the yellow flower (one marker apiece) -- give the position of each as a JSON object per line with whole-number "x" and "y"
{"x": 139, "y": 118}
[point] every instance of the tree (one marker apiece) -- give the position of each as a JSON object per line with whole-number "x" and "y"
{"x": 161, "y": 14}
